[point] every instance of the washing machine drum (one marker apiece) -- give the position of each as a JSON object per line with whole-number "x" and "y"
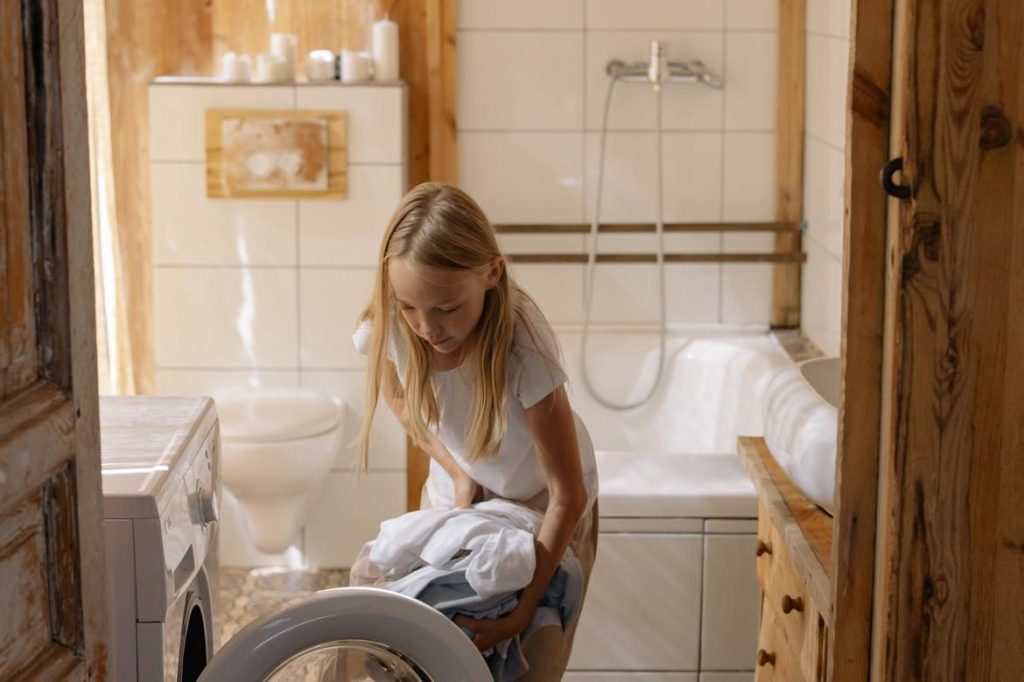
{"x": 346, "y": 634}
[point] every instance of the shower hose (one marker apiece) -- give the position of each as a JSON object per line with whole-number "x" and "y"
{"x": 588, "y": 293}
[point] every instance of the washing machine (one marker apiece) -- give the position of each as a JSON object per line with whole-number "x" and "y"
{"x": 161, "y": 488}
{"x": 160, "y": 503}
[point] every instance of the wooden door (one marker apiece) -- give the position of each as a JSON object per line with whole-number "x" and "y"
{"x": 951, "y": 571}
{"x": 52, "y": 623}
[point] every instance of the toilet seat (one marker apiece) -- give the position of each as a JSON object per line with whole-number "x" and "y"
{"x": 439, "y": 650}
{"x": 269, "y": 415}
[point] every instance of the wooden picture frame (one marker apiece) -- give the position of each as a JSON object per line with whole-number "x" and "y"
{"x": 276, "y": 154}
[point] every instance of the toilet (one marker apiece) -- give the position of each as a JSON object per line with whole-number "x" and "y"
{"x": 277, "y": 446}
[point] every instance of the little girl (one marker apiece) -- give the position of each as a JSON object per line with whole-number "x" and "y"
{"x": 469, "y": 365}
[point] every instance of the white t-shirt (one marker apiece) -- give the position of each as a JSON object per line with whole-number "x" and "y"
{"x": 515, "y": 471}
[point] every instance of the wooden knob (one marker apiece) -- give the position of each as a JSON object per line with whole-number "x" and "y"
{"x": 763, "y": 548}
{"x": 764, "y": 658}
{"x": 792, "y": 604}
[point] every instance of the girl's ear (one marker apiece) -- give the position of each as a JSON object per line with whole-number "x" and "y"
{"x": 494, "y": 273}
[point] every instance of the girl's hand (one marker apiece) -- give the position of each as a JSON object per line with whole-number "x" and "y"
{"x": 490, "y": 631}
{"x": 467, "y": 491}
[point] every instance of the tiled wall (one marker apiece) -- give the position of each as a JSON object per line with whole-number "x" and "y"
{"x": 266, "y": 292}
{"x": 531, "y": 84}
{"x": 828, "y": 45}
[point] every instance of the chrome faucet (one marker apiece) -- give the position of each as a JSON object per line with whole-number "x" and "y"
{"x": 659, "y": 70}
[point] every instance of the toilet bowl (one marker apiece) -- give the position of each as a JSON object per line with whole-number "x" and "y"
{"x": 277, "y": 447}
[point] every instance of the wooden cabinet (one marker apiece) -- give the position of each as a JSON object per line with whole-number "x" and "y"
{"x": 792, "y": 638}
{"x": 793, "y": 546}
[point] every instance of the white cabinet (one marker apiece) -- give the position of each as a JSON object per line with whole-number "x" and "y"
{"x": 731, "y": 600}
{"x": 642, "y": 610}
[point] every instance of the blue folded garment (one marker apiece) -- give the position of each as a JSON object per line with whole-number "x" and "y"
{"x": 452, "y": 595}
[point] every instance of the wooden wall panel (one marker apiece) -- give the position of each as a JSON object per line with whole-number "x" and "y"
{"x": 954, "y": 552}
{"x": 789, "y": 157}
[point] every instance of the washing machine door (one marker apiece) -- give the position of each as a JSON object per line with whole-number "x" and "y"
{"x": 347, "y": 634}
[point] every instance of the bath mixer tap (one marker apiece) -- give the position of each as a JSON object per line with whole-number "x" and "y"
{"x": 658, "y": 70}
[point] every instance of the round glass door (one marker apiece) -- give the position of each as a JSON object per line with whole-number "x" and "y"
{"x": 352, "y": 660}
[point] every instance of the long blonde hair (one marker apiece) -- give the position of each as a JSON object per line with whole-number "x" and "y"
{"x": 441, "y": 226}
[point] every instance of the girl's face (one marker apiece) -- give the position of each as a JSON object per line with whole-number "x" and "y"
{"x": 441, "y": 306}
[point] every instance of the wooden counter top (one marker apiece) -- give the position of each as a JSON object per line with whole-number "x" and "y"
{"x": 805, "y": 529}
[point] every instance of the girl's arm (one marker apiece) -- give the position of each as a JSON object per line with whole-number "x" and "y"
{"x": 554, "y": 431}
{"x": 466, "y": 489}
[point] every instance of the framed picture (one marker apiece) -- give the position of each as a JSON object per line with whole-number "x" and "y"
{"x": 274, "y": 154}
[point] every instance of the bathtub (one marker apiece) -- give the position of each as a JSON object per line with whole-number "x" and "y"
{"x": 674, "y": 588}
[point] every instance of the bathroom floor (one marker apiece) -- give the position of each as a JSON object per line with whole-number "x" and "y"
{"x": 247, "y": 593}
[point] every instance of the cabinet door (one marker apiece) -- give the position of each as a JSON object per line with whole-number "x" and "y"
{"x": 731, "y": 603}
{"x": 642, "y": 611}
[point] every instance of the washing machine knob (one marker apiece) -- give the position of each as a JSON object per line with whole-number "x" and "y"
{"x": 206, "y": 505}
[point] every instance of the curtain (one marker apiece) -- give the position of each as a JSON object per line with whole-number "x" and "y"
{"x": 113, "y": 341}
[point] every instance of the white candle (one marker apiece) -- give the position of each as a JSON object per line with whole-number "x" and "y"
{"x": 385, "y": 50}
{"x": 284, "y": 45}
{"x": 355, "y": 66}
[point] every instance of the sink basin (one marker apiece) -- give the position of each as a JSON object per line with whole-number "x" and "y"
{"x": 801, "y": 417}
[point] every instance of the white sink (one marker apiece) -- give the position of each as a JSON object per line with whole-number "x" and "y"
{"x": 801, "y": 417}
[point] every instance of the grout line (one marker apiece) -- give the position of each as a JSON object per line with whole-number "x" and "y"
{"x": 611, "y": 129}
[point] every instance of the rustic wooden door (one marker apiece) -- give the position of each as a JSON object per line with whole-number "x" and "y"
{"x": 52, "y": 623}
{"x": 951, "y": 571}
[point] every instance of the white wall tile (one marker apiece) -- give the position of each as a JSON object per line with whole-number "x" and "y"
{"x": 348, "y": 514}
{"x": 692, "y": 292}
{"x": 751, "y": 14}
{"x": 748, "y": 192}
{"x": 688, "y": 106}
{"x": 503, "y": 76}
{"x": 691, "y": 178}
{"x": 522, "y": 14}
{"x": 628, "y": 191}
{"x": 655, "y": 14}
{"x": 824, "y": 194}
{"x": 387, "y": 437}
{"x": 190, "y": 229}
{"x": 524, "y": 177}
{"x": 225, "y": 317}
{"x": 750, "y": 80}
{"x": 827, "y": 78}
{"x": 177, "y": 114}
{"x": 330, "y": 303}
{"x": 376, "y": 118}
{"x": 822, "y": 297}
{"x": 746, "y": 293}
{"x": 557, "y": 288}
{"x": 216, "y": 382}
{"x": 629, "y": 293}
{"x": 349, "y": 231}
{"x": 831, "y": 17}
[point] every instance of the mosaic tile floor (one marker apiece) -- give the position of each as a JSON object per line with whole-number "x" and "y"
{"x": 247, "y": 593}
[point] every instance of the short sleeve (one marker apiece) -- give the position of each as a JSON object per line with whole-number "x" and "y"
{"x": 535, "y": 368}
{"x": 361, "y": 336}
{"x": 361, "y": 339}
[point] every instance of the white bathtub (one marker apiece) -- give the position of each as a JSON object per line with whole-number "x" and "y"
{"x": 711, "y": 392}
{"x": 674, "y": 588}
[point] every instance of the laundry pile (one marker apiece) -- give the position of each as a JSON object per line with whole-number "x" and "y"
{"x": 472, "y": 562}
